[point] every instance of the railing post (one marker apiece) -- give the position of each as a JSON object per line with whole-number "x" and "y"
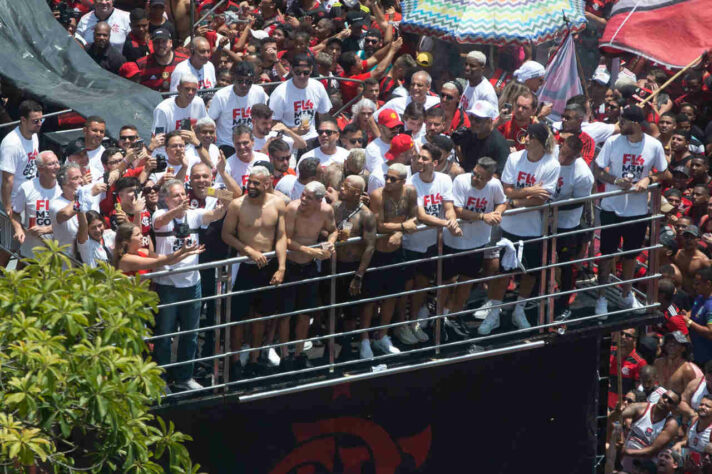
{"x": 219, "y": 283}
{"x": 554, "y": 226}
{"x": 544, "y": 256}
{"x": 228, "y": 318}
{"x": 652, "y": 296}
{"x": 192, "y": 20}
{"x": 332, "y": 314}
{"x": 438, "y": 283}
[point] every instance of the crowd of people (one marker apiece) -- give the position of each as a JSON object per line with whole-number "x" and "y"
{"x": 293, "y": 128}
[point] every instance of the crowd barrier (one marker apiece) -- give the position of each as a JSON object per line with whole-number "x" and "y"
{"x": 545, "y": 312}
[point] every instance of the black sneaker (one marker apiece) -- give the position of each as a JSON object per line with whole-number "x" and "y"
{"x": 286, "y": 364}
{"x": 302, "y": 362}
{"x": 251, "y": 370}
{"x": 235, "y": 371}
{"x": 564, "y": 315}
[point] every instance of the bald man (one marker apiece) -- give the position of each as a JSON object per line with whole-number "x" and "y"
{"x": 102, "y": 52}
{"x": 198, "y": 64}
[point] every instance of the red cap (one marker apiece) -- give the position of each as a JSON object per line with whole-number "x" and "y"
{"x": 399, "y": 144}
{"x": 389, "y": 118}
{"x": 128, "y": 70}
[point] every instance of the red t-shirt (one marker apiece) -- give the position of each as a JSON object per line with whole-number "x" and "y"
{"x": 106, "y": 206}
{"x": 511, "y": 131}
{"x": 275, "y": 179}
{"x": 630, "y": 374}
{"x": 349, "y": 89}
{"x": 589, "y": 146}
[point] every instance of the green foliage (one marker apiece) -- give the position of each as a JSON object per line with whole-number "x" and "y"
{"x": 75, "y": 381}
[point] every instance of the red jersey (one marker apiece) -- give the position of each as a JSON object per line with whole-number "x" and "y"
{"x": 106, "y": 206}
{"x": 157, "y": 76}
{"x": 511, "y": 131}
{"x": 289, "y": 171}
{"x": 589, "y": 146}
{"x": 349, "y": 89}
{"x": 499, "y": 79}
{"x": 630, "y": 374}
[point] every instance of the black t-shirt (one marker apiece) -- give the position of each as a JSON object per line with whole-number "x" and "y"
{"x": 473, "y": 148}
{"x": 110, "y": 58}
{"x": 168, "y": 26}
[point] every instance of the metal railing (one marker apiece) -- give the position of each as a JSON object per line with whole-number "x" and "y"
{"x": 546, "y": 294}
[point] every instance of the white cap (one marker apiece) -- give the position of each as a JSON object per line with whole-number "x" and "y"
{"x": 529, "y": 70}
{"x": 259, "y": 34}
{"x": 483, "y": 109}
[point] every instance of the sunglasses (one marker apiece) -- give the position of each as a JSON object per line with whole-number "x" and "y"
{"x": 629, "y": 400}
{"x": 392, "y": 179}
{"x": 445, "y": 96}
{"x": 354, "y": 141}
{"x": 667, "y": 398}
{"x": 150, "y": 189}
{"x": 627, "y": 336}
{"x": 113, "y": 162}
{"x": 370, "y": 41}
{"x": 243, "y": 81}
{"x": 37, "y": 121}
{"x": 327, "y": 132}
{"x": 129, "y": 137}
{"x": 304, "y": 72}
{"x": 398, "y": 129}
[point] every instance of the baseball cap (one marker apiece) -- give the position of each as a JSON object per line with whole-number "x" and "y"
{"x": 158, "y": 2}
{"x": 424, "y": 59}
{"x": 399, "y": 144}
{"x": 356, "y": 19}
{"x": 264, "y": 163}
{"x": 665, "y": 206}
{"x": 668, "y": 240}
{"x": 678, "y": 336}
{"x": 529, "y": 70}
{"x": 259, "y": 34}
{"x": 538, "y": 131}
{"x": 389, "y": 118}
{"x": 74, "y": 147}
{"x": 634, "y": 114}
{"x": 681, "y": 169}
{"x": 692, "y": 229}
{"x": 483, "y": 109}
{"x": 161, "y": 33}
{"x": 350, "y": 3}
{"x": 128, "y": 70}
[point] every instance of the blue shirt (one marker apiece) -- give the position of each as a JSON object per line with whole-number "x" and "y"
{"x": 701, "y": 314}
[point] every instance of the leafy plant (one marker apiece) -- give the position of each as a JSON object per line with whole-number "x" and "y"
{"x": 76, "y": 384}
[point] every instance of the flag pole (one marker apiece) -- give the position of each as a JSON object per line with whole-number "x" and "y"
{"x": 672, "y": 79}
{"x": 579, "y": 68}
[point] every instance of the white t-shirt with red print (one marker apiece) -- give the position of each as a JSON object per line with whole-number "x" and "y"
{"x": 17, "y": 156}
{"x": 292, "y": 105}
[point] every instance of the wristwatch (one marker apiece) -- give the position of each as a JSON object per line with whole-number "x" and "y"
{"x": 511, "y": 203}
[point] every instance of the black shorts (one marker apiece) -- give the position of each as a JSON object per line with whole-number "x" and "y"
{"x": 298, "y": 297}
{"x": 568, "y": 246}
{"x": 263, "y": 302}
{"x": 633, "y": 235}
{"x": 468, "y": 265}
{"x": 427, "y": 269}
{"x": 389, "y": 281}
{"x": 532, "y": 250}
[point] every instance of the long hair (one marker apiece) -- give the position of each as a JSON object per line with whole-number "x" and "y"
{"x": 121, "y": 242}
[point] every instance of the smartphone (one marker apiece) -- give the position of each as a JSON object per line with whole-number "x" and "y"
{"x": 210, "y": 191}
{"x": 185, "y": 124}
{"x": 507, "y": 108}
{"x": 160, "y": 130}
{"x": 511, "y": 143}
{"x": 138, "y": 144}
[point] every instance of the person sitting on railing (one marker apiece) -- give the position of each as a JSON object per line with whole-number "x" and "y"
{"x": 634, "y": 160}
{"x": 529, "y": 179}
{"x": 480, "y": 201}
{"x": 436, "y": 209}
{"x": 306, "y": 219}
{"x": 254, "y": 225}
{"x": 575, "y": 181}
{"x": 395, "y": 206}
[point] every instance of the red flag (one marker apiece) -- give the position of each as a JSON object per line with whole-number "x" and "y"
{"x": 670, "y": 32}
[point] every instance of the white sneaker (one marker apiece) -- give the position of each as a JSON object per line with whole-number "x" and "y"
{"x": 308, "y": 346}
{"x": 189, "y": 384}
{"x": 272, "y": 357}
{"x": 490, "y": 323}
{"x": 632, "y": 302}
{"x": 423, "y": 313}
{"x": 483, "y": 310}
{"x": 365, "y": 352}
{"x": 245, "y": 355}
{"x": 602, "y": 307}
{"x": 519, "y": 318}
{"x": 419, "y": 334}
{"x": 385, "y": 345}
{"x": 405, "y": 335}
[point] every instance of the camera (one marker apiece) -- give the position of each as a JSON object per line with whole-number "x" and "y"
{"x": 458, "y": 136}
{"x": 185, "y": 124}
{"x": 138, "y": 144}
{"x": 161, "y": 163}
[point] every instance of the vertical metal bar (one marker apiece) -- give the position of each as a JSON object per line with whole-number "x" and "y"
{"x": 652, "y": 296}
{"x": 438, "y": 282}
{"x": 332, "y": 314}
{"x": 554, "y": 226}
{"x": 542, "y": 277}
{"x": 192, "y": 20}
{"x": 228, "y": 319}
{"x": 219, "y": 283}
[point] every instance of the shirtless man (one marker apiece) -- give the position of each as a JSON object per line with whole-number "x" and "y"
{"x": 690, "y": 258}
{"x": 255, "y": 225}
{"x": 396, "y": 209}
{"x": 305, "y": 219}
{"x": 674, "y": 369}
{"x": 354, "y": 219}
{"x": 694, "y": 392}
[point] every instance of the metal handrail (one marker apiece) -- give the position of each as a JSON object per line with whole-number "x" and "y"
{"x": 268, "y": 84}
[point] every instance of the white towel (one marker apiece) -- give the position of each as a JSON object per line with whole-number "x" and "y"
{"x": 512, "y": 256}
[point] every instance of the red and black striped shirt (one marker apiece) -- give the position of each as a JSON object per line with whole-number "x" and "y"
{"x": 135, "y": 49}
{"x": 158, "y": 76}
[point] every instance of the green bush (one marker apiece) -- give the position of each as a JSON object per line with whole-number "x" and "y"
{"x": 75, "y": 381}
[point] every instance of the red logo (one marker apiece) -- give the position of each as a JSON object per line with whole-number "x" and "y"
{"x": 635, "y": 160}
{"x": 525, "y": 179}
{"x": 476, "y": 203}
{"x": 303, "y": 105}
{"x": 242, "y": 113}
{"x": 430, "y": 199}
{"x": 318, "y": 448}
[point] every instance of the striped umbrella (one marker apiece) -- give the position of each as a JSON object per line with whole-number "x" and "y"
{"x": 496, "y": 22}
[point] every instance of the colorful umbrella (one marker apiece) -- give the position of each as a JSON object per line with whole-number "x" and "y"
{"x": 496, "y": 22}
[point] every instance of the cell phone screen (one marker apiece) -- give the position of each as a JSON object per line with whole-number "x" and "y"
{"x": 160, "y": 130}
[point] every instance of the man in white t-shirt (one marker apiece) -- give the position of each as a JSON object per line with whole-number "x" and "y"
{"x": 18, "y": 152}
{"x": 297, "y": 101}
{"x": 264, "y": 130}
{"x": 419, "y": 92}
{"x": 205, "y": 131}
{"x": 232, "y": 105}
{"x": 104, "y": 10}
{"x": 529, "y": 179}
{"x": 31, "y": 220}
{"x": 575, "y": 181}
{"x": 436, "y": 209}
{"x": 62, "y": 209}
{"x": 478, "y": 87}
{"x": 480, "y": 202}
{"x": 291, "y": 186}
{"x": 390, "y": 125}
{"x": 198, "y": 65}
{"x": 176, "y": 227}
{"x": 238, "y": 165}
{"x": 633, "y": 160}
{"x": 94, "y": 131}
{"x": 180, "y": 111}
{"x": 328, "y": 152}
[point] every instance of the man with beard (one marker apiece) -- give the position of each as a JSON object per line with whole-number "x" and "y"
{"x": 571, "y": 122}
{"x": 522, "y": 116}
{"x": 478, "y": 87}
{"x": 239, "y": 164}
{"x": 265, "y": 130}
{"x": 328, "y": 151}
{"x": 254, "y": 225}
{"x": 680, "y": 148}
{"x": 155, "y": 69}
{"x": 101, "y": 51}
{"x": 198, "y": 65}
{"x": 279, "y": 155}
{"x": 305, "y": 220}
{"x": 481, "y": 139}
{"x": 353, "y": 219}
